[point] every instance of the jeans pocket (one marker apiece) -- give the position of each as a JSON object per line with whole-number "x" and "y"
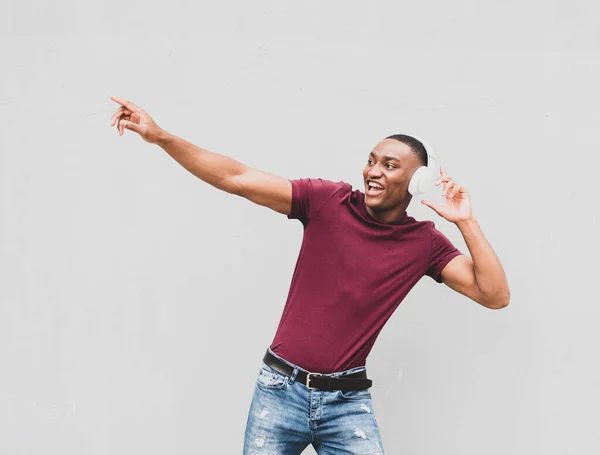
{"x": 363, "y": 394}
{"x": 269, "y": 378}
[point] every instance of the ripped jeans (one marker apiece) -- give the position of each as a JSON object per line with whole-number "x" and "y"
{"x": 286, "y": 416}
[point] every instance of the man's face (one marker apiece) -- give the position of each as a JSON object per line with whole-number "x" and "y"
{"x": 390, "y": 165}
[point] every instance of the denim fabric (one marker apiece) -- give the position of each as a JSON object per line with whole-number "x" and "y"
{"x": 285, "y": 417}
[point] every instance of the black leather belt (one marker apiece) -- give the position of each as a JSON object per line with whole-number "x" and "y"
{"x": 321, "y": 381}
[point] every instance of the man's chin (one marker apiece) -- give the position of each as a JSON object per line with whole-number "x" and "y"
{"x": 374, "y": 205}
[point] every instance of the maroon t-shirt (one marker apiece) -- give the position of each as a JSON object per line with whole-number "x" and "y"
{"x": 352, "y": 273}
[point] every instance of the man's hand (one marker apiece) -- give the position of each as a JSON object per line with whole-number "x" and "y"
{"x": 135, "y": 119}
{"x": 458, "y": 203}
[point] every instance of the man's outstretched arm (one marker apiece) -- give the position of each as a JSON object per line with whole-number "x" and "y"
{"x": 230, "y": 175}
{"x": 217, "y": 170}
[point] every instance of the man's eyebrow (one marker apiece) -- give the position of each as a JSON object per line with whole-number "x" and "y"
{"x": 386, "y": 157}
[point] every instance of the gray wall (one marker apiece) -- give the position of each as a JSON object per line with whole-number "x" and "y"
{"x": 128, "y": 286}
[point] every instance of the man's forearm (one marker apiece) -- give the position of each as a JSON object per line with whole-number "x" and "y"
{"x": 216, "y": 170}
{"x": 489, "y": 273}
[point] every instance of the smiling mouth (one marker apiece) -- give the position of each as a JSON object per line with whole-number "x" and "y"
{"x": 374, "y": 189}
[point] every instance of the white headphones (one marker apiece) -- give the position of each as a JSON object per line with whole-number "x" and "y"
{"x": 423, "y": 178}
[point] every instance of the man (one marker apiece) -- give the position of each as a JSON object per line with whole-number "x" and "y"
{"x": 361, "y": 254}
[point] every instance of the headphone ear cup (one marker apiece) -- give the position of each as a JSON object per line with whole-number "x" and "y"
{"x": 420, "y": 181}
{"x": 427, "y": 180}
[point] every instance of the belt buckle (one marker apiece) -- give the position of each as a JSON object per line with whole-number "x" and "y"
{"x": 308, "y": 380}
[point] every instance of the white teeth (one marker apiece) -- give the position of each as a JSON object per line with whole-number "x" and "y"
{"x": 375, "y": 185}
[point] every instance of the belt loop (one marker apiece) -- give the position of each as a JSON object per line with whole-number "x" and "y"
{"x": 293, "y": 376}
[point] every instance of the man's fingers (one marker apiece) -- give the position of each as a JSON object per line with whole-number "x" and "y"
{"x": 131, "y": 126}
{"x": 442, "y": 179}
{"x": 448, "y": 187}
{"x": 121, "y": 120}
{"x": 447, "y": 183}
{"x": 116, "y": 115}
{"x": 128, "y": 104}
{"x": 457, "y": 189}
{"x": 119, "y": 126}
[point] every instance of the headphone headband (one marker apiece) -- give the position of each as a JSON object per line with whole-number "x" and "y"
{"x": 430, "y": 155}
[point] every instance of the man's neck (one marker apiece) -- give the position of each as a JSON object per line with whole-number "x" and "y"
{"x": 388, "y": 216}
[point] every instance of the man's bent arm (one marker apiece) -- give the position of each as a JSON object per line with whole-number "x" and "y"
{"x": 489, "y": 274}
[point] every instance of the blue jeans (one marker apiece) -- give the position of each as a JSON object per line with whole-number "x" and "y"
{"x": 286, "y": 416}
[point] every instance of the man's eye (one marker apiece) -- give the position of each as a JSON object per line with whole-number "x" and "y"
{"x": 390, "y": 166}
{"x": 370, "y": 161}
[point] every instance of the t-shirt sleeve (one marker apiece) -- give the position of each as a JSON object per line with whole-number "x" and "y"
{"x": 442, "y": 252}
{"x": 309, "y": 195}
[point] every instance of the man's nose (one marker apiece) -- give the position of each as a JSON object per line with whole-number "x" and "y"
{"x": 374, "y": 171}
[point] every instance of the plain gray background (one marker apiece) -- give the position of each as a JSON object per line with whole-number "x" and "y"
{"x": 129, "y": 288}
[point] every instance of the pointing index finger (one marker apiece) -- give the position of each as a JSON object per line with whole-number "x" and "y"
{"x": 128, "y": 104}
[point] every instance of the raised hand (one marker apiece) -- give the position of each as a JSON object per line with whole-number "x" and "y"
{"x": 458, "y": 202}
{"x": 135, "y": 119}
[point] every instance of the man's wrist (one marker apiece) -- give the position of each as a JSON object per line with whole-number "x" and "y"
{"x": 466, "y": 223}
{"x": 163, "y": 138}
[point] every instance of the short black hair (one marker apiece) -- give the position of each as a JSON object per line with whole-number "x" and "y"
{"x": 415, "y": 145}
